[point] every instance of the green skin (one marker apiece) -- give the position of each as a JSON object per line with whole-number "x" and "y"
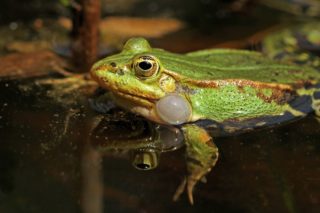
{"x": 221, "y": 85}
{"x": 297, "y": 7}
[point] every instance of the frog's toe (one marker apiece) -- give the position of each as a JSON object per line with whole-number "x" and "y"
{"x": 202, "y": 155}
{"x": 188, "y": 184}
{"x": 180, "y": 190}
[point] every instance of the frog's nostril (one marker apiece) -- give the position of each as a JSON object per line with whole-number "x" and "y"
{"x": 113, "y": 64}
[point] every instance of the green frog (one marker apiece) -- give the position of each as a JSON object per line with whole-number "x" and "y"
{"x": 207, "y": 93}
{"x": 302, "y": 8}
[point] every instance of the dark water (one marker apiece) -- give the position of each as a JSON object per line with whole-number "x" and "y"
{"x": 42, "y": 170}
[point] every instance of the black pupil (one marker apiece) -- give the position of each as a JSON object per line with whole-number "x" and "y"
{"x": 143, "y": 166}
{"x": 145, "y": 65}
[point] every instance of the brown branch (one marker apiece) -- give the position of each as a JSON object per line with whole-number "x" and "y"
{"x": 85, "y": 44}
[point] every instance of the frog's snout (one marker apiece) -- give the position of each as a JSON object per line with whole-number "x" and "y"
{"x": 111, "y": 67}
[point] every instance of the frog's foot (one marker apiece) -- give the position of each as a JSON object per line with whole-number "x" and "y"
{"x": 188, "y": 183}
{"x": 202, "y": 155}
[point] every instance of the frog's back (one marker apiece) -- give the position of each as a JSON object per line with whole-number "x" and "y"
{"x": 232, "y": 90}
{"x": 222, "y": 64}
{"x": 256, "y": 91}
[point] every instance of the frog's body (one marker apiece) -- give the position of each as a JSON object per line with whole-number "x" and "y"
{"x": 228, "y": 90}
{"x": 297, "y": 7}
{"x": 224, "y": 86}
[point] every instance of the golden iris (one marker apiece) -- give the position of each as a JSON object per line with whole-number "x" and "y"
{"x": 145, "y": 66}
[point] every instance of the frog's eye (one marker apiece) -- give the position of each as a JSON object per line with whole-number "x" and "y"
{"x": 145, "y": 66}
{"x": 145, "y": 159}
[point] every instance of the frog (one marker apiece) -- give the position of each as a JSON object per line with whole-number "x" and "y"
{"x": 207, "y": 94}
{"x": 297, "y": 43}
{"x": 302, "y": 8}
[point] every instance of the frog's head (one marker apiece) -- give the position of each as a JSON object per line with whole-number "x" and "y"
{"x": 140, "y": 83}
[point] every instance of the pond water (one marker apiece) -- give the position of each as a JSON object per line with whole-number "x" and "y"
{"x": 42, "y": 170}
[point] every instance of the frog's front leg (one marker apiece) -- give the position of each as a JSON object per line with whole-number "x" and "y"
{"x": 201, "y": 155}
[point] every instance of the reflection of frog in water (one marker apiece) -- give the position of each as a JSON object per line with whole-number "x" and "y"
{"x": 218, "y": 91}
{"x": 128, "y": 132}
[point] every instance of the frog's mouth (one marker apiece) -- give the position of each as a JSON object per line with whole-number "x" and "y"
{"x": 123, "y": 85}
{"x": 136, "y": 98}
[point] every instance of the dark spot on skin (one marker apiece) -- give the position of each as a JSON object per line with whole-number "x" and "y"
{"x": 193, "y": 161}
{"x": 273, "y": 80}
{"x": 299, "y": 62}
{"x": 184, "y": 89}
{"x": 280, "y": 55}
{"x": 294, "y": 71}
{"x": 275, "y": 74}
{"x": 279, "y": 96}
{"x": 286, "y": 97}
{"x": 308, "y": 85}
{"x": 113, "y": 64}
{"x": 120, "y": 72}
{"x": 302, "y": 103}
{"x": 306, "y": 45}
{"x": 311, "y": 78}
{"x": 214, "y": 156}
{"x": 316, "y": 95}
{"x": 256, "y": 47}
{"x": 240, "y": 88}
